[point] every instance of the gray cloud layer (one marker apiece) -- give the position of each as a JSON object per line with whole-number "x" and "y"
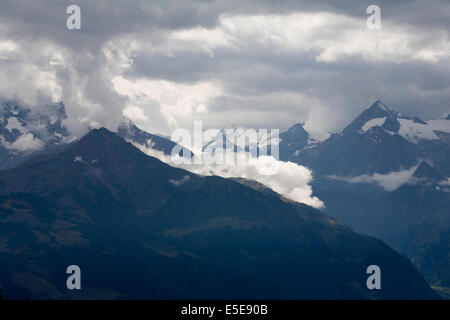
{"x": 255, "y": 63}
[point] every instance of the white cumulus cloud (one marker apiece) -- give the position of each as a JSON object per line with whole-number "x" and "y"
{"x": 289, "y": 179}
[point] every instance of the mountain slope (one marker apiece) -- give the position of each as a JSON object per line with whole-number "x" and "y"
{"x": 385, "y": 175}
{"x": 128, "y": 131}
{"x": 139, "y": 228}
{"x": 413, "y": 219}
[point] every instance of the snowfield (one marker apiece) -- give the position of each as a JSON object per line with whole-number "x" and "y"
{"x": 373, "y": 123}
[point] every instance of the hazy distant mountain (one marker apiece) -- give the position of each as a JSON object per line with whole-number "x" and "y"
{"x": 293, "y": 140}
{"x": 128, "y": 131}
{"x": 240, "y": 139}
{"x": 380, "y": 140}
{"x": 139, "y": 228}
{"x": 387, "y": 175}
{"x": 27, "y": 131}
{"x": 413, "y": 219}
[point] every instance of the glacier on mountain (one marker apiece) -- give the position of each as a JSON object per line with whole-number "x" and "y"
{"x": 373, "y": 123}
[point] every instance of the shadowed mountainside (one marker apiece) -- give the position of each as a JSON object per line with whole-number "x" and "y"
{"x": 139, "y": 228}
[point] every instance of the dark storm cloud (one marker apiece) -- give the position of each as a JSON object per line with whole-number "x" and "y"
{"x": 104, "y": 19}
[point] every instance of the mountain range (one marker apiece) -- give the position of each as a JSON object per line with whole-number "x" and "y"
{"x": 27, "y": 131}
{"x": 380, "y": 140}
{"x": 139, "y": 228}
{"x": 387, "y": 175}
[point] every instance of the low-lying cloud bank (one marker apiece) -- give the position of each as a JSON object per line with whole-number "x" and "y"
{"x": 389, "y": 181}
{"x": 290, "y": 180}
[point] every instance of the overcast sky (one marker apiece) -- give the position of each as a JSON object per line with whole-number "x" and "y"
{"x": 263, "y": 64}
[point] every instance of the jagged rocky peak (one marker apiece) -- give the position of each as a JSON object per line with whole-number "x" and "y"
{"x": 298, "y": 128}
{"x": 379, "y": 105}
{"x": 240, "y": 138}
{"x": 377, "y": 115}
{"x": 295, "y": 139}
{"x": 384, "y": 120}
{"x": 296, "y": 133}
{"x": 379, "y": 110}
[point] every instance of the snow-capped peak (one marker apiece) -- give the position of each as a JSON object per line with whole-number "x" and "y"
{"x": 391, "y": 123}
{"x": 239, "y": 138}
{"x": 377, "y": 115}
